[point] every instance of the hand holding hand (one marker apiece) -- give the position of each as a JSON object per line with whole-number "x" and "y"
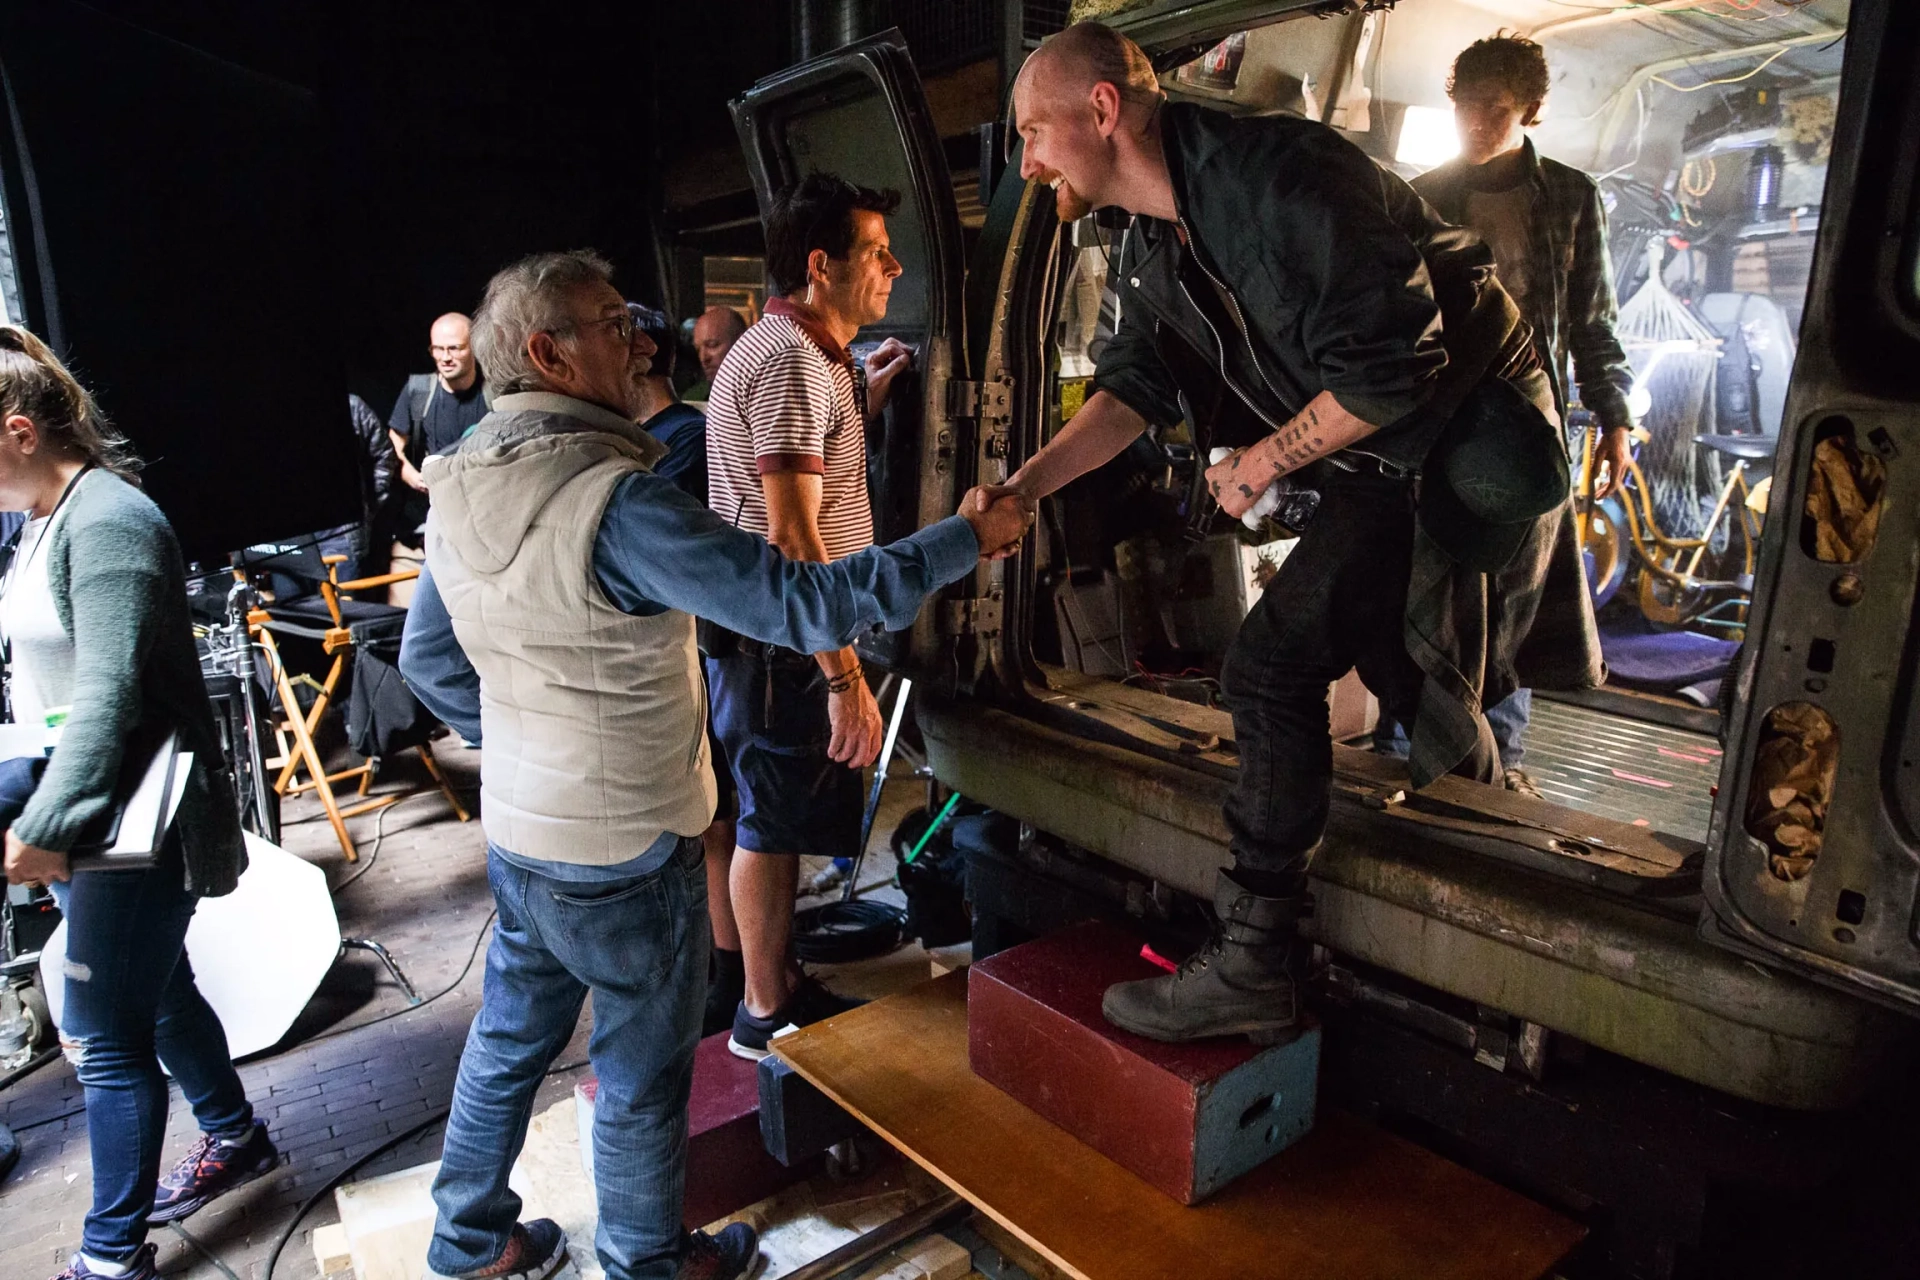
{"x": 1000, "y": 516}
{"x": 857, "y": 728}
{"x": 29, "y": 865}
{"x": 885, "y": 363}
{"x": 1610, "y": 459}
{"x": 410, "y": 476}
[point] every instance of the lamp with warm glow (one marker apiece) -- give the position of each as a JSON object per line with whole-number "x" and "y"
{"x": 1427, "y": 137}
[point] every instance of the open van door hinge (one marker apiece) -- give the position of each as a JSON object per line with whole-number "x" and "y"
{"x": 970, "y": 617}
{"x": 991, "y": 402}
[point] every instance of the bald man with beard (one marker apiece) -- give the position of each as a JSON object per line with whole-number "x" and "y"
{"x": 433, "y": 413}
{"x": 1315, "y": 321}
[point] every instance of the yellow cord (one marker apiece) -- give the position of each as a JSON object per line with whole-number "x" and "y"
{"x": 1708, "y": 84}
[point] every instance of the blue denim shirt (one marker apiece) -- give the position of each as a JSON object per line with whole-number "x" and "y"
{"x": 657, "y": 549}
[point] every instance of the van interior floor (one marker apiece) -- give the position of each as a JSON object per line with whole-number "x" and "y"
{"x": 1628, "y": 770}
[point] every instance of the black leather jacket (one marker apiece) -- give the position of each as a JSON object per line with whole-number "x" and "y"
{"x": 1307, "y": 268}
{"x": 1316, "y": 270}
{"x": 378, "y": 466}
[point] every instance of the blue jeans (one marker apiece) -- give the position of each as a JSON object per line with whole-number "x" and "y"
{"x": 130, "y": 1005}
{"x": 1508, "y": 718}
{"x": 640, "y": 945}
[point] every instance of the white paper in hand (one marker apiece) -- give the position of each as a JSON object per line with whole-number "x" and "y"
{"x": 1263, "y": 506}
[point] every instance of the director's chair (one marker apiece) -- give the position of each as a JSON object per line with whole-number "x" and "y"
{"x": 340, "y": 624}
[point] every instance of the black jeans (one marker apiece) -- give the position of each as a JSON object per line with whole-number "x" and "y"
{"x": 1338, "y": 602}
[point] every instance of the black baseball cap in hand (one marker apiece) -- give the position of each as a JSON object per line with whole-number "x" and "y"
{"x": 1498, "y": 466}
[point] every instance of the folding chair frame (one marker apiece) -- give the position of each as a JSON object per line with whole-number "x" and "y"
{"x": 302, "y": 752}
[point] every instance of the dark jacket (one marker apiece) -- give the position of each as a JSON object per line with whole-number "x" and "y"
{"x": 120, "y": 592}
{"x": 378, "y": 465}
{"x": 1571, "y": 305}
{"x": 1313, "y": 269}
{"x": 1341, "y": 276}
{"x": 683, "y": 430}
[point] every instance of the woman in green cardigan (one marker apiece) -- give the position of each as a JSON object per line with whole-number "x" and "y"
{"x": 98, "y": 643}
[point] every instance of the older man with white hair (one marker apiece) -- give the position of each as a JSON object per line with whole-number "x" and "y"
{"x": 554, "y": 623}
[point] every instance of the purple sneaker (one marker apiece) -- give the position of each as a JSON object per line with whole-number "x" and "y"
{"x": 139, "y": 1267}
{"x": 210, "y": 1169}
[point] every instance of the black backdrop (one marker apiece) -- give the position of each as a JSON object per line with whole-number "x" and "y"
{"x": 251, "y": 209}
{"x": 163, "y": 214}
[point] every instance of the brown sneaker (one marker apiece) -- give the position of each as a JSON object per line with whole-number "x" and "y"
{"x": 534, "y": 1251}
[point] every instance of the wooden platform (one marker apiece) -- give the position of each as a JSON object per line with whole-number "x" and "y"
{"x": 1348, "y": 1202}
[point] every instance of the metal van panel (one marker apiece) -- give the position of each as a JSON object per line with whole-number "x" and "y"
{"x": 1624, "y": 977}
{"x": 1869, "y": 847}
{"x": 1853, "y": 920}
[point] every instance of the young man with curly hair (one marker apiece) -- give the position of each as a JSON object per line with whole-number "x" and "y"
{"x": 1548, "y": 231}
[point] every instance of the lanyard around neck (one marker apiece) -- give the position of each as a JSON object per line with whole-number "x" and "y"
{"x": 15, "y": 566}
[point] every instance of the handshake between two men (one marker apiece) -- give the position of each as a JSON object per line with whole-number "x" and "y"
{"x": 1000, "y": 517}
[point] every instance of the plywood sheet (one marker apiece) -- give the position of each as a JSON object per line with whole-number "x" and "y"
{"x": 1347, "y": 1203}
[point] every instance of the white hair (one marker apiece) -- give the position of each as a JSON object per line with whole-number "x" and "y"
{"x": 526, "y": 298}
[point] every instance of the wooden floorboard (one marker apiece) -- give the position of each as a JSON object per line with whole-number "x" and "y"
{"x": 1349, "y": 1202}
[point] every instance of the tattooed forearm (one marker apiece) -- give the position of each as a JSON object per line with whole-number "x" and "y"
{"x": 1323, "y": 427}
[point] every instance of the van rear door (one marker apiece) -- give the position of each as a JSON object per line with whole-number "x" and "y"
{"x": 859, "y": 112}
{"x": 1814, "y": 856}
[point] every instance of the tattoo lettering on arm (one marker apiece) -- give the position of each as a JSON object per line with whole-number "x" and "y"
{"x": 1294, "y": 445}
{"x": 1323, "y": 428}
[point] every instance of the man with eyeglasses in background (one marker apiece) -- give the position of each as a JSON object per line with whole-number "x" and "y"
{"x": 433, "y": 412}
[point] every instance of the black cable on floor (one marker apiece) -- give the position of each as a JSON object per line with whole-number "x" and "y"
{"x": 359, "y": 1163}
{"x": 465, "y": 969}
{"x": 35, "y": 1124}
{"x": 27, "y": 1068}
{"x": 379, "y": 836}
{"x": 842, "y": 932}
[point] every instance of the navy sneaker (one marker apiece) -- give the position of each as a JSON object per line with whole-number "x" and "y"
{"x": 810, "y": 1002}
{"x": 728, "y": 1256}
{"x": 139, "y": 1267}
{"x": 210, "y": 1169}
{"x": 534, "y": 1251}
{"x": 753, "y": 1037}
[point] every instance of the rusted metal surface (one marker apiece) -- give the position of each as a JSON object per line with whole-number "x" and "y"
{"x": 1626, "y": 974}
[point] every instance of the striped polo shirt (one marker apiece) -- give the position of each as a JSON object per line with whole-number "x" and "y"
{"x": 782, "y": 402}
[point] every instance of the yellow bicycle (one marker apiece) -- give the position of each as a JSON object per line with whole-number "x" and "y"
{"x": 1621, "y": 531}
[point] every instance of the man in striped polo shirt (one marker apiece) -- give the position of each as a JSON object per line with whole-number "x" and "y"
{"x": 787, "y": 459}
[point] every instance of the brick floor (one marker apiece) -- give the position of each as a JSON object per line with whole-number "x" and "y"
{"x": 346, "y": 1088}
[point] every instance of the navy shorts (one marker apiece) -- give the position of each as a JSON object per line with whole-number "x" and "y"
{"x": 771, "y": 718}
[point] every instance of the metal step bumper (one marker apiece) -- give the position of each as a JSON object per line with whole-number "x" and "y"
{"x": 1623, "y": 975}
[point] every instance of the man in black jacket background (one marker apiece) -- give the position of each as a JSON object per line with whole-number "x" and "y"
{"x": 1298, "y": 304}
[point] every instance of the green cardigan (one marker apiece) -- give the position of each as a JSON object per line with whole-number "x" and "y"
{"x": 120, "y": 591}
